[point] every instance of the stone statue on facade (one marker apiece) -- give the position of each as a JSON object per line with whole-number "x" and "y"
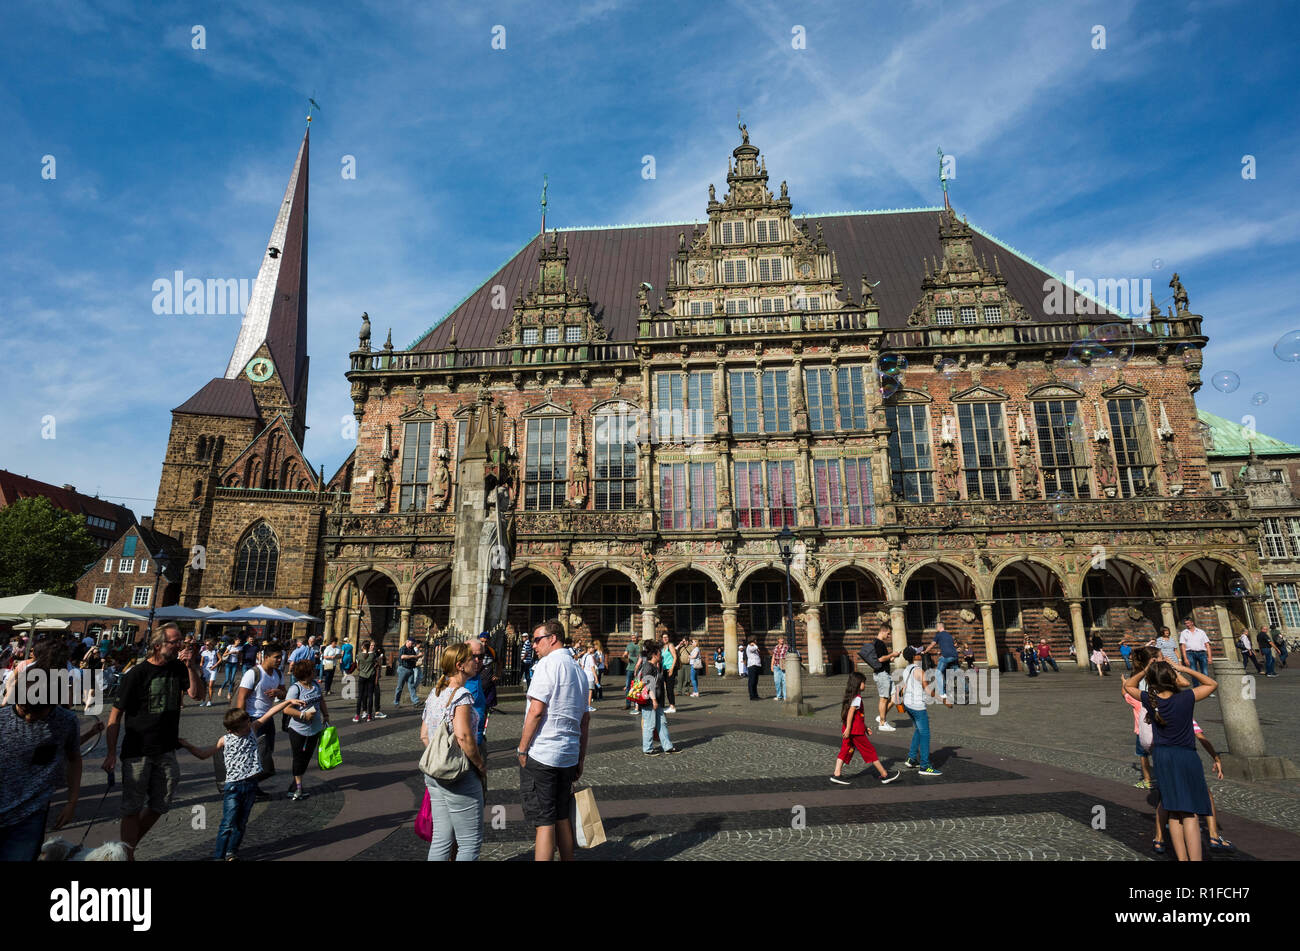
{"x": 950, "y": 473}
{"x": 578, "y": 479}
{"x": 1105, "y": 469}
{"x": 440, "y": 483}
{"x": 1180, "y": 294}
{"x": 383, "y": 486}
{"x": 1028, "y": 473}
{"x": 363, "y": 338}
{"x": 649, "y": 567}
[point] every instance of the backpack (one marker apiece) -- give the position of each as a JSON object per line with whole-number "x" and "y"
{"x": 868, "y": 654}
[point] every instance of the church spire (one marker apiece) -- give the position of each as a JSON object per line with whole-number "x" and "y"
{"x": 277, "y": 307}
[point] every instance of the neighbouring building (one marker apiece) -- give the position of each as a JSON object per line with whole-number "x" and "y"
{"x": 141, "y": 570}
{"x": 1267, "y": 472}
{"x": 104, "y": 520}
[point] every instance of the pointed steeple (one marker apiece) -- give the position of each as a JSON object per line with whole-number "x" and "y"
{"x": 277, "y": 306}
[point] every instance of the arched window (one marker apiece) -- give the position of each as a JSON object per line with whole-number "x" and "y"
{"x": 198, "y": 488}
{"x": 255, "y": 567}
{"x": 201, "y": 450}
{"x": 221, "y": 447}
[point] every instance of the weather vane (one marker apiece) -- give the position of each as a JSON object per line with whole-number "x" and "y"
{"x": 943, "y": 178}
{"x": 312, "y": 105}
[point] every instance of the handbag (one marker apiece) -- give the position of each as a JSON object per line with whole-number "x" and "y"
{"x": 424, "y": 819}
{"x": 443, "y": 759}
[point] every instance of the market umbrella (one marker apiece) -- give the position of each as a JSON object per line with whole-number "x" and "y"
{"x": 252, "y": 615}
{"x": 34, "y": 607}
{"x": 48, "y": 624}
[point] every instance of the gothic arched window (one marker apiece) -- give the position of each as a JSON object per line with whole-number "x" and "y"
{"x": 255, "y": 566}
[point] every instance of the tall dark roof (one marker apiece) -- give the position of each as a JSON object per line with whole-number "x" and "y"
{"x": 886, "y": 246}
{"x": 222, "y": 397}
{"x": 277, "y": 308}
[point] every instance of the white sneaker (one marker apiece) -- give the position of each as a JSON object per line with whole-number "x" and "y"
{"x": 887, "y": 727}
{"x": 670, "y": 709}
{"x": 591, "y": 709}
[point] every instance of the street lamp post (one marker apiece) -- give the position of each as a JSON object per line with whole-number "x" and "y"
{"x": 793, "y": 671}
{"x": 785, "y": 544}
{"x": 161, "y": 565}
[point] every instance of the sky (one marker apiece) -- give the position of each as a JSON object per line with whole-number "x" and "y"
{"x": 1105, "y": 138}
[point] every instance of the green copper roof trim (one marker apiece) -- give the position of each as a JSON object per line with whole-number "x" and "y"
{"x": 1232, "y": 440}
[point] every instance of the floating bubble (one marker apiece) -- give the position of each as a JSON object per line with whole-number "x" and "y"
{"x": 1237, "y": 588}
{"x": 1157, "y": 264}
{"x": 892, "y": 364}
{"x": 1259, "y": 399}
{"x": 1104, "y": 350}
{"x": 1225, "y": 381}
{"x": 1058, "y": 501}
{"x": 946, "y": 366}
{"x": 1288, "y": 347}
{"x": 889, "y": 386}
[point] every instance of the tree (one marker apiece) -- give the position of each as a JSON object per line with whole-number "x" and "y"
{"x": 43, "y": 548}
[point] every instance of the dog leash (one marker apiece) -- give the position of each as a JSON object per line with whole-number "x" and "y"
{"x": 112, "y": 781}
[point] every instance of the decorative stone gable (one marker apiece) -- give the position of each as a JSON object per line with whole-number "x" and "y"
{"x": 554, "y": 312}
{"x": 962, "y": 290}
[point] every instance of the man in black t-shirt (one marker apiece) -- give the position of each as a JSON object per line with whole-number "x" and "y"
{"x": 149, "y": 698}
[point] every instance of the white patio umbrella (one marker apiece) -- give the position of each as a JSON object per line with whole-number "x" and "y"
{"x": 48, "y": 624}
{"x": 39, "y": 605}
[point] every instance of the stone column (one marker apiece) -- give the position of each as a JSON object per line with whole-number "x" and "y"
{"x": 730, "y": 640}
{"x": 1081, "y": 651}
{"x": 404, "y": 626}
{"x": 813, "y": 624}
{"x": 1227, "y": 646}
{"x": 354, "y": 626}
{"x": 647, "y": 623}
{"x": 990, "y": 635}
{"x": 563, "y": 611}
{"x": 898, "y": 622}
{"x": 329, "y": 625}
{"x": 1167, "y": 617}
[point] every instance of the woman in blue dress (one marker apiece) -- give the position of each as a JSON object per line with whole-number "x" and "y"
{"x": 1174, "y": 761}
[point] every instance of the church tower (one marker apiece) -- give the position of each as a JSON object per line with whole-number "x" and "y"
{"x": 246, "y": 428}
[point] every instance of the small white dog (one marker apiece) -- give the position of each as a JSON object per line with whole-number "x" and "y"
{"x": 61, "y": 850}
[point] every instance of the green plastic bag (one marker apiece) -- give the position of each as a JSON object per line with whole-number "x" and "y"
{"x": 329, "y": 754}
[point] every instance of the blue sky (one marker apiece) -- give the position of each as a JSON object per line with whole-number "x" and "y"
{"x": 170, "y": 158}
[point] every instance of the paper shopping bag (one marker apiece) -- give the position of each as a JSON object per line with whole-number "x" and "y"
{"x": 587, "y": 827}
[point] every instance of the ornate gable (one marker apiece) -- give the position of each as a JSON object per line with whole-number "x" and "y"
{"x": 273, "y": 460}
{"x": 979, "y": 394}
{"x": 1124, "y": 391}
{"x": 554, "y": 312}
{"x": 962, "y": 291}
{"x": 1054, "y": 391}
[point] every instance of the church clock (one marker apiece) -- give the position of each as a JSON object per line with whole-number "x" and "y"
{"x": 259, "y": 369}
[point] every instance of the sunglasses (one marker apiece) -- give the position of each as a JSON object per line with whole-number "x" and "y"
{"x": 541, "y": 638}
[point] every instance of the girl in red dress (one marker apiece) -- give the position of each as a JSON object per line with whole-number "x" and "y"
{"x": 855, "y": 732}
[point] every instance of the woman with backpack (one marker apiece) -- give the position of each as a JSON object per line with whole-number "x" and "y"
{"x": 306, "y": 722}
{"x": 655, "y": 679}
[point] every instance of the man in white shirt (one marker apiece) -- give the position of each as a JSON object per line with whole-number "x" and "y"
{"x": 261, "y": 688}
{"x": 554, "y": 743}
{"x": 1194, "y": 645}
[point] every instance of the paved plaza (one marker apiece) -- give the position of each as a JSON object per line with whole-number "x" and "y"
{"x": 752, "y": 783}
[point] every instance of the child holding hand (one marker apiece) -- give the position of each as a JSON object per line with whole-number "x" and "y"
{"x": 243, "y": 765}
{"x": 855, "y": 732}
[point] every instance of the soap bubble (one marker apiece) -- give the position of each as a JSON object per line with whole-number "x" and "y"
{"x": 1059, "y": 502}
{"x": 1225, "y": 381}
{"x": 1237, "y": 588}
{"x": 1104, "y": 350}
{"x": 1259, "y": 399}
{"x": 892, "y": 364}
{"x": 947, "y": 366}
{"x": 1288, "y": 347}
{"x": 889, "y": 386}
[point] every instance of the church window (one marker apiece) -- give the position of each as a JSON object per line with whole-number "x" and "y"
{"x": 984, "y": 451}
{"x": 255, "y": 566}
{"x": 546, "y": 465}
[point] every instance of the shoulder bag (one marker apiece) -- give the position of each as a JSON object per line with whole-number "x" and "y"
{"x": 443, "y": 758}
